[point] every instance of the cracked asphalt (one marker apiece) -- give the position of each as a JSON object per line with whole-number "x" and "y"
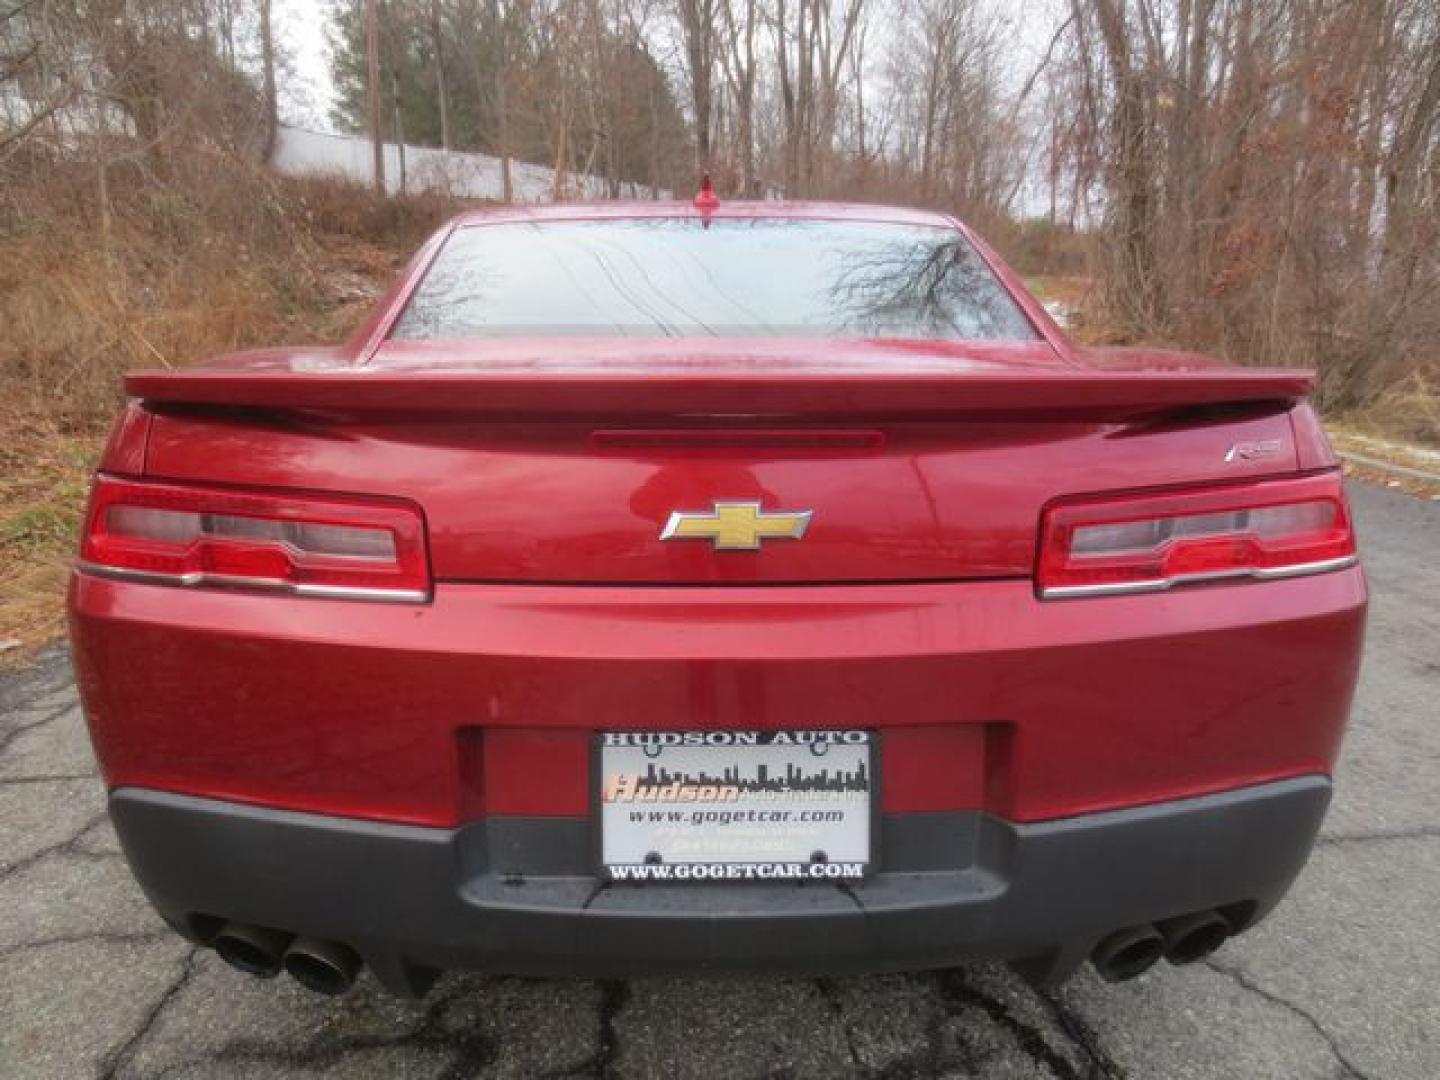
{"x": 1340, "y": 982}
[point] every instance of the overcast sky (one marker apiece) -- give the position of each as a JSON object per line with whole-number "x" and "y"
{"x": 307, "y": 94}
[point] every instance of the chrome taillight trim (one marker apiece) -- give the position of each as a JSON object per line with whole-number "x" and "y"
{"x": 260, "y": 585}
{"x": 1129, "y": 588}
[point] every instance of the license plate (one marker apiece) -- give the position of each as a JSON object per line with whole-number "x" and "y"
{"x": 736, "y": 806}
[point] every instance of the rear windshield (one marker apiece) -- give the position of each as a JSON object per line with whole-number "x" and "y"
{"x": 680, "y": 278}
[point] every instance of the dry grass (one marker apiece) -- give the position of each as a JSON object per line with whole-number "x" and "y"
{"x": 1408, "y": 410}
{"x": 1079, "y": 295}
{"x": 172, "y": 279}
{"x": 1371, "y": 458}
{"x": 44, "y": 474}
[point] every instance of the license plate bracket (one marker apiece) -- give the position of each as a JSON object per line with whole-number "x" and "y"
{"x": 736, "y": 806}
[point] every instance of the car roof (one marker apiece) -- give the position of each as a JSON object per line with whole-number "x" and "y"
{"x": 739, "y": 210}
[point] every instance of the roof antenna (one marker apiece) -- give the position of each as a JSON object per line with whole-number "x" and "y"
{"x": 706, "y": 201}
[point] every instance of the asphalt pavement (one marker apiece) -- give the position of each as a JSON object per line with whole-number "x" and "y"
{"x": 1342, "y": 981}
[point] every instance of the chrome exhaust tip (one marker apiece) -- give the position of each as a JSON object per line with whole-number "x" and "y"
{"x": 1193, "y": 937}
{"x": 255, "y": 950}
{"x": 326, "y": 967}
{"x": 1128, "y": 953}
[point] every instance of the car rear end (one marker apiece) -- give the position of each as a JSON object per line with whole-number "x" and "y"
{"x": 567, "y": 648}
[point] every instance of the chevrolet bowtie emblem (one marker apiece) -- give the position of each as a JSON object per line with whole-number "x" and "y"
{"x": 736, "y": 526}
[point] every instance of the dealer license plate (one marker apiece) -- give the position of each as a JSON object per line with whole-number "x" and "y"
{"x": 736, "y": 805}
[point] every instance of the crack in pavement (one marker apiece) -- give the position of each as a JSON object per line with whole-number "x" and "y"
{"x": 104, "y": 937}
{"x": 14, "y": 733}
{"x": 117, "y": 1059}
{"x": 614, "y": 997}
{"x": 1240, "y": 978}
{"x": 1084, "y": 1037}
{"x": 49, "y": 675}
{"x": 1420, "y": 832}
{"x": 830, "y": 994}
{"x": 955, "y": 989}
{"x": 949, "y": 1049}
{"x": 601, "y": 1065}
{"x": 932, "y": 1059}
{"x": 68, "y": 846}
{"x": 470, "y": 1053}
{"x": 48, "y": 778}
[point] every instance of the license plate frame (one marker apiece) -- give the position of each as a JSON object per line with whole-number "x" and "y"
{"x": 710, "y": 860}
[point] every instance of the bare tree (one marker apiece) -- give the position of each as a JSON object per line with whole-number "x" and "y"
{"x": 268, "y": 87}
{"x": 700, "y": 27}
{"x": 438, "y": 43}
{"x": 739, "y": 60}
{"x": 372, "y": 61}
{"x": 1268, "y": 173}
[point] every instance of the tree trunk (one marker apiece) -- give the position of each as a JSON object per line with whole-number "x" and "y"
{"x": 267, "y": 59}
{"x": 502, "y": 105}
{"x": 438, "y": 41}
{"x": 1139, "y": 286}
{"x": 697, "y": 23}
{"x": 399, "y": 126}
{"x": 787, "y": 100}
{"x": 372, "y": 68}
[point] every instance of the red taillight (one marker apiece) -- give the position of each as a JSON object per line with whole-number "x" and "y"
{"x": 309, "y": 545}
{"x": 1143, "y": 543}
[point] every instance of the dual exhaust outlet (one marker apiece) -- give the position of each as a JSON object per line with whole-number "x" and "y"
{"x": 1181, "y": 940}
{"x": 326, "y": 967}
{"x": 330, "y": 967}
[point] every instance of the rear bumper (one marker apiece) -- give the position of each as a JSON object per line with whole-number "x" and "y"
{"x": 518, "y": 895}
{"x": 483, "y": 704}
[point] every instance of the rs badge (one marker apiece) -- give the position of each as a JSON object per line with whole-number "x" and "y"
{"x": 736, "y": 526}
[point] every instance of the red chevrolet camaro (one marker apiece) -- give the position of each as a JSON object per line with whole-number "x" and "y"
{"x": 755, "y": 587}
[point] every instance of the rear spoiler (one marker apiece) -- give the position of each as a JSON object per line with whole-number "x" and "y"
{"x": 1062, "y": 394}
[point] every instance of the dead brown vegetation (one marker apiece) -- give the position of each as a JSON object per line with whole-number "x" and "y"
{"x": 140, "y": 228}
{"x": 257, "y": 260}
{"x": 1267, "y": 176}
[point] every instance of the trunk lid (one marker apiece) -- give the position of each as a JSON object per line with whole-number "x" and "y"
{"x": 913, "y": 462}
